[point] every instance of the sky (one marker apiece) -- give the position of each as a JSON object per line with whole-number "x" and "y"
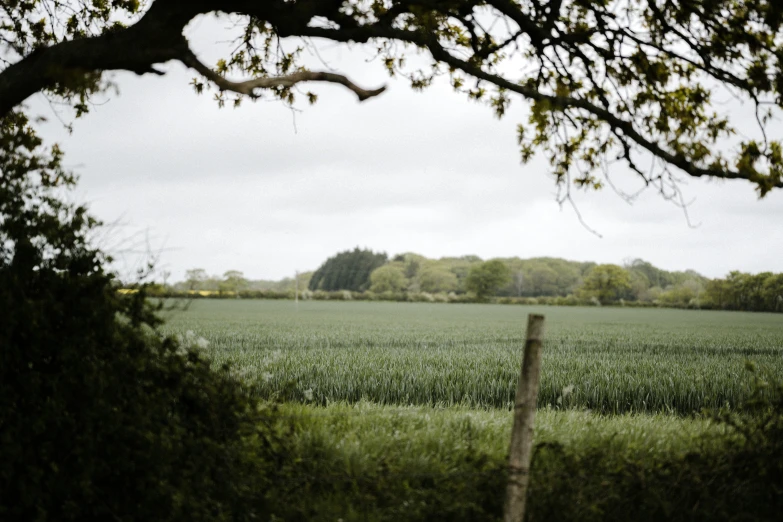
{"x": 268, "y": 191}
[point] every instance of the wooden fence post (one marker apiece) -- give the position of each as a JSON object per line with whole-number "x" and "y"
{"x": 524, "y": 415}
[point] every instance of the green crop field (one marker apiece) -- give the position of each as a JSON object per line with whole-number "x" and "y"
{"x": 614, "y": 360}
{"x": 400, "y": 411}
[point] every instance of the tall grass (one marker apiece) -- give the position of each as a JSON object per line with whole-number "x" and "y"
{"x": 365, "y": 462}
{"x": 617, "y": 360}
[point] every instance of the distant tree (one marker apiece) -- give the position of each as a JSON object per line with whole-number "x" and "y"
{"x": 748, "y": 291}
{"x": 542, "y": 276}
{"x": 773, "y": 293}
{"x": 349, "y": 270}
{"x": 651, "y": 294}
{"x": 412, "y": 268}
{"x": 639, "y": 284}
{"x": 542, "y": 280}
{"x": 607, "y": 283}
{"x": 434, "y": 279}
{"x": 234, "y": 281}
{"x": 584, "y": 268}
{"x": 484, "y": 279}
{"x": 519, "y": 282}
{"x": 460, "y": 267}
{"x": 388, "y": 278}
{"x": 304, "y": 281}
{"x": 685, "y": 294}
{"x": 195, "y": 277}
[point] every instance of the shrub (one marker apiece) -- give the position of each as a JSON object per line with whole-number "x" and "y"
{"x": 101, "y": 417}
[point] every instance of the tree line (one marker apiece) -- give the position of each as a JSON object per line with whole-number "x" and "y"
{"x": 365, "y": 274}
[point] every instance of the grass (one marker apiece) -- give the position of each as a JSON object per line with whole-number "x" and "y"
{"x": 424, "y": 438}
{"x": 362, "y": 462}
{"x": 618, "y": 360}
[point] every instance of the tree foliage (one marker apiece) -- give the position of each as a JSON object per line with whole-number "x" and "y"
{"x": 607, "y": 283}
{"x": 605, "y": 80}
{"x": 349, "y": 270}
{"x": 543, "y": 276}
{"x": 195, "y": 277}
{"x": 550, "y": 280}
{"x": 101, "y": 416}
{"x": 740, "y": 291}
{"x": 435, "y": 279}
{"x": 388, "y": 278}
{"x": 233, "y": 281}
{"x": 485, "y": 278}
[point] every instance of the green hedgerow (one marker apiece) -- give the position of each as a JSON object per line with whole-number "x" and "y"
{"x": 101, "y": 416}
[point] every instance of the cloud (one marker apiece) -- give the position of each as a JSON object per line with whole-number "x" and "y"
{"x": 268, "y": 190}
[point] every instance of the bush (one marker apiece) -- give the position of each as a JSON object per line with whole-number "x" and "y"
{"x": 101, "y": 417}
{"x": 736, "y": 477}
{"x": 266, "y": 294}
{"x": 721, "y": 475}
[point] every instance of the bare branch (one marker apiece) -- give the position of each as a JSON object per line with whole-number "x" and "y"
{"x": 249, "y": 87}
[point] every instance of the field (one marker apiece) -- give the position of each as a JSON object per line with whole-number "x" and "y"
{"x": 400, "y": 411}
{"x": 615, "y": 360}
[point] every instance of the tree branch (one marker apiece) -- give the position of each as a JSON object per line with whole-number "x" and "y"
{"x": 157, "y": 38}
{"x": 248, "y": 87}
{"x": 616, "y": 123}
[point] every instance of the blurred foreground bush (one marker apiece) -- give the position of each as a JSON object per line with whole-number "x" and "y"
{"x": 101, "y": 417}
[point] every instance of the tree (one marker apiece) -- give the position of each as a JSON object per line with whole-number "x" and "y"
{"x": 639, "y": 284}
{"x": 741, "y": 291}
{"x": 349, "y": 270}
{"x": 234, "y": 281}
{"x": 773, "y": 293}
{"x": 519, "y": 282}
{"x": 412, "y": 267}
{"x": 542, "y": 280}
{"x": 605, "y": 79}
{"x": 195, "y": 277}
{"x": 607, "y": 283}
{"x": 435, "y": 279}
{"x": 685, "y": 294}
{"x": 388, "y": 278}
{"x": 484, "y": 279}
{"x": 542, "y": 276}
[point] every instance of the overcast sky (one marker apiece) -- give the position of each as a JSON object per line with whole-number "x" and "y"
{"x": 267, "y": 191}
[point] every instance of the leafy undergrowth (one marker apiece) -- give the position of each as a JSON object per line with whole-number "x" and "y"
{"x": 368, "y": 462}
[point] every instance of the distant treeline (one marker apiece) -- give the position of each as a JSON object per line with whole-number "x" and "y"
{"x": 365, "y": 275}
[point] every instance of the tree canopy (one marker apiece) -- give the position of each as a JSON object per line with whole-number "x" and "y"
{"x": 388, "y": 278}
{"x": 607, "y": 283}
{"x": 349, "y": 270}
{"x": 632, "y": 81}
{"x": 485, "y": 278}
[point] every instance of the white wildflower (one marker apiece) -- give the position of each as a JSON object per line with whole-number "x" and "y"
{"x": 202, "y": 343}
{"x": 568, "y": 390}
